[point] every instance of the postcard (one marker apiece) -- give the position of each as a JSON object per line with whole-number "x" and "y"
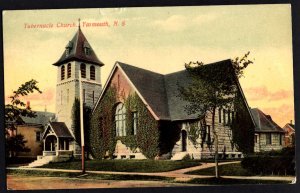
{"x": 149, "y": 97}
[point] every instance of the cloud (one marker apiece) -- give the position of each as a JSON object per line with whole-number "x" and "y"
{"x": 281, "y": 115}
{"x": 46, "y": 97}
{"x": 180, "y": 22}
{"x": 262, "y": 93}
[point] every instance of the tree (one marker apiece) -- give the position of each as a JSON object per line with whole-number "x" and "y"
{"x": 212, "y": 88}
{"x": 76, "y": 123}
{"x": 14, "y": 111}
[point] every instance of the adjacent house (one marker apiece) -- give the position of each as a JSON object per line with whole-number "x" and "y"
{"x": 139, "y": 115}
{"x": 268, "y": 135}
{"x": 289, "y": 137}
{"x": 32, "y": 130}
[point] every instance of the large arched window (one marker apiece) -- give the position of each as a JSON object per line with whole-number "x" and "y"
{"x": 62, "y": 72}
{"x": 120, "y": 120}
{"x": 92, "y": 72}
{"x": 69, "y": 70}
{"x": 83, "y": 70}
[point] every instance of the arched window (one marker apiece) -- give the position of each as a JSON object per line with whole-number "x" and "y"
{"x": 120, "y": 120}
{"x": 62, "y": 73}
{"x": 69, "y": 70}
{"x": 83, "y": 70}
{"x": 92, "y": 72}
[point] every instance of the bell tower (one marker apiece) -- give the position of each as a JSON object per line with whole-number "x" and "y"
{"x": 78, "y": 55}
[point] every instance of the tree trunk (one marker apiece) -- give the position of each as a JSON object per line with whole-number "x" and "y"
{"x": 216, "y": 144}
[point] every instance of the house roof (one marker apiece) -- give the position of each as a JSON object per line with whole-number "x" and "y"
{"x": 60, "y": 129}
{"x": 42, "y": 118}
{"x": 264, "y": 123}
{"x": 160, "y": 92}
{"x": 76, "y": 46}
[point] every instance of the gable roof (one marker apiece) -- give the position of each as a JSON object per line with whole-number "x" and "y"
{"x": 77, "y": 53}
{"x": 151, "y": 86}
{"x": 160, "y": 92}
{"x": 60, "y": 129}
{"x": 264, "y": 123}
{"x": 42, "y": 118}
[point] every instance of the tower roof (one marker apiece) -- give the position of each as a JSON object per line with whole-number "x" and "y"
{"x": 79, "y": 49}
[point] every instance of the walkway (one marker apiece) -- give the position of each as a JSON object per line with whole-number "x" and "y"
{"x": 179, "y": 175}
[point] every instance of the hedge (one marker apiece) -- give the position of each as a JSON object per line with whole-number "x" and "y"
{"x": 271, "y": 163}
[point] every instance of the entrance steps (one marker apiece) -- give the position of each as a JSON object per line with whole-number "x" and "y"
{"x": 179, "y": 155}
{"x": 43, "y": 160}
{"x": 40, "y": 161}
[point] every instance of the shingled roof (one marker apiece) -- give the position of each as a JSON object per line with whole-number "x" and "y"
{"x": 60, "y": 129}
{"x": 42, "y": 118}
{"x": 76, "y": 47}
{"x": 264, "y": 123}
{"x": 161, "y": 91}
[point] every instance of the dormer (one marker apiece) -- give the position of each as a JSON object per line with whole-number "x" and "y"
{"x": 87, "y": 48}
{"x": 69, "y": 47}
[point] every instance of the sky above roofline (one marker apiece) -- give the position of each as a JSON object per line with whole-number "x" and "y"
{"x": 160, "y": 39}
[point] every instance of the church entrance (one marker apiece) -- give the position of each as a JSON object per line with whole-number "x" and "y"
{"x": 50, "y": 143}
{"x": 184, "y": 138}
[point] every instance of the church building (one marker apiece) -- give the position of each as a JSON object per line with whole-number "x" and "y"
{"x": 138, "y": 114}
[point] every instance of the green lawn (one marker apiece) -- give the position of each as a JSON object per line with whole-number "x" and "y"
{"x": 87, "y": 176}
{"x": 225, "y": 170}
{"x": 126, "y": 165}
{"x": 227, "y": 181}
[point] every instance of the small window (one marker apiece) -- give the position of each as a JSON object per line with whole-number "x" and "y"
{"x": 134, "y": 122}
{"x": 256, "y": 139}
{"x": 69, "y": 70}
{"x": 268, "y": 138}
{"x": 220, "y": 115}
{"x": 208, "y": 137}
{"x": 62, "y": 72}
{"x": 224, "y": 116}
{"x": 93, "y": 97}
{"x": 38, "y": 136}
{"x": 83, "y": 95}
{"x": 280, "y": 139}
{"x": 228, "y": 115}
{"x": 83, "y": 70}
{"x": 92, "y": 72}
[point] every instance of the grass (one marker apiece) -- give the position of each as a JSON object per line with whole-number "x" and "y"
{"x": 228, "y": 181}
{"x": 79, "y": 175}
{"x": 125, "y": 165}
{"x": 225, "y": 170}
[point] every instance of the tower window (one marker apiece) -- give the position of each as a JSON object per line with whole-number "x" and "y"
{"x": 83, "y": 70}
{"x": 69, "y": 70}
{"x": 93, "y": 97}
{"x": 83, "y": 97}
{"x": 62, "y": 73}
{"x": 92, "y": 72}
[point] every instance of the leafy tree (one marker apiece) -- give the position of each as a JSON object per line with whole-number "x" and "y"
{"x": 76, "y": 123}
{"x": 13, "y": 116}
{"x": 212, "y": 88}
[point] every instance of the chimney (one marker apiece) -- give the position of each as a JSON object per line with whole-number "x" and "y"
{"x": 28, "y": 105}
{"x": 291, "y": 122}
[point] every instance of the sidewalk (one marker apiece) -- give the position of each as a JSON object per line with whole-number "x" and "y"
{"x": 179, "y": 175}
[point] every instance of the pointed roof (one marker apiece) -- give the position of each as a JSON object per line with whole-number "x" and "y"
{"x": 160, "y": 92}
{"x": 264, "y": 123}
{"x": 76, "y": 51}
{"x": 59, "y": 128}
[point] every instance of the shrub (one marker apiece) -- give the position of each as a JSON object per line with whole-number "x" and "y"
{"x": 271, "y": 163}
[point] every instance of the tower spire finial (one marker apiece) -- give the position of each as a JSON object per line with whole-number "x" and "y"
{"x": 79, "y": 23}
